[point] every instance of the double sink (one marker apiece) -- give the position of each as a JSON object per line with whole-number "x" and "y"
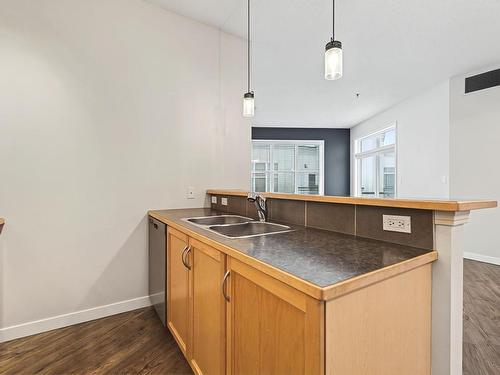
{"x": 234, "y": 226}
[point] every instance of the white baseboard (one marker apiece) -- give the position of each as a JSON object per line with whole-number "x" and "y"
{"x": 60, "y": 321}
{"x": 157, "y": 298}
{"x": 482, "y": 258}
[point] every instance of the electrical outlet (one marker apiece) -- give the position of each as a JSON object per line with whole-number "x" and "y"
{"x": 394, "y": 223}
{"x": 190, "y": 192}
{"x": 223, "y": 201}
{"x": 214, "y": 199}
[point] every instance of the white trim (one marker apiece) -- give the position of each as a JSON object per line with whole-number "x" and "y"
{"x": 375, "y": 151}
{"x": 64, "y": 320}
{"x": 157, "y": 298}
{"x": 376, "y": 132}
{"x": 482, "y": 258}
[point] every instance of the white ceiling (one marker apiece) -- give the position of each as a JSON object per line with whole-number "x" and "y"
{"x": 392, "y": 50}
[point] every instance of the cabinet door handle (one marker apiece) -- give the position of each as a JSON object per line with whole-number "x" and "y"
{"x": 184, "y": 256}
{"x": 187, "y": 258}
{"x": 223, "y": 285}
{"x": 183, "y": 260}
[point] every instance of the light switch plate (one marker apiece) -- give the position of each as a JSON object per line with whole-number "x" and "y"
{"x": 190, "y": 192}
{"x": 214, "y": 199}
{"x": 223, "y": 201}
{"x": 393, "y": 223}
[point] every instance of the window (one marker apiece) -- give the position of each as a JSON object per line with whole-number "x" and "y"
{"x": 294, "y": 167}
{"x": 376, "y": 164}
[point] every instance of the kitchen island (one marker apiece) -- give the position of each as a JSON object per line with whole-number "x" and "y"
{"x": 337, "y": 294}
{"x": 307, "y": 301}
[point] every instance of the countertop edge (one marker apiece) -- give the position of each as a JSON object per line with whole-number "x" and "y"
{"x": 320, "y": 293}
{"x": 422, "y": 204}
{"x": 358, "y": 282}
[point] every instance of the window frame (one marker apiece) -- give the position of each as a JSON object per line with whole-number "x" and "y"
{"x": 296, "y": 143}
{"x": 359, "y": 156}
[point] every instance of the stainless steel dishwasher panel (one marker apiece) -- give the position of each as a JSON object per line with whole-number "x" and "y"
{"x": 157, "y": 266}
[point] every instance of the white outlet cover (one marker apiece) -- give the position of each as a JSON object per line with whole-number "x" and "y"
{"x": 393, "y": 223}
{"x": 190, "y": 192}
{"x": 214, "y": 200}
{"x": 223, "y": 201}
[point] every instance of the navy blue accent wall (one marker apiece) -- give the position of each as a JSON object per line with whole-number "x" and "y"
{"x": 337, "y": 152}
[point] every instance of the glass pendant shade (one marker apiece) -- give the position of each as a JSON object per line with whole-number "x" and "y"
{"x": 248, "y": 104}
{"x": 333, "y": 60}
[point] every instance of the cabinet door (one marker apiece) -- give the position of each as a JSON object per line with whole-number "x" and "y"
{"x": 208, "y": 310}
{"x": 272, "y": 328}
{"x": 178, "y": 287}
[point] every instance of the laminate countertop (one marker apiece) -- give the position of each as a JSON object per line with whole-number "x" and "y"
{"x": 321, "y": 259}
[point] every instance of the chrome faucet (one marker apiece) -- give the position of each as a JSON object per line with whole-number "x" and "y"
{"x": 260, "y": 204}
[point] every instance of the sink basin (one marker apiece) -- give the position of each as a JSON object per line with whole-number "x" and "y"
{"x": 219, "y": 220}
{"x": 234, "y": 226}
{"x": 250, "y": 229}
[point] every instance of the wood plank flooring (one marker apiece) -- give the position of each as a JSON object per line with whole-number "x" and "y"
{"x": 481, "y": 341}
{"x": 137, "y": 343}
{"x": 131, "y": 343}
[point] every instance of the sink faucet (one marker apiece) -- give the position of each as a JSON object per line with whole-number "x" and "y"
{"x": 260, "y": 204}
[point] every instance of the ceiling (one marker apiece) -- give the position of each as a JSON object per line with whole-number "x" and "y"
{"x": 392, "y": 49}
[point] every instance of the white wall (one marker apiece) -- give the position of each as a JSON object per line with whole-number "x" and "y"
{"x": 107, "y": 109}
{"x": 422, "y": 142}
{"x": 474, "y": 145}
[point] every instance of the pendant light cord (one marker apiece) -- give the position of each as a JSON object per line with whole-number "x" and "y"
{"x": 333, "y": 19}
{"x": 248, "y": 40}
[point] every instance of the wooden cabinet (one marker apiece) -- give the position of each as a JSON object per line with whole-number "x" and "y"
{"x": 232, "y": 318}
{"x": 178, "y": 288}
{"x": 196, "y": 308}
{"x": 208, "y": 334}
{"x": 382, "y": 329}
{"x": 271, "y": 327}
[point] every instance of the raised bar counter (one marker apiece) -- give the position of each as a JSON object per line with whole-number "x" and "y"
{"x": 451, "y": 205}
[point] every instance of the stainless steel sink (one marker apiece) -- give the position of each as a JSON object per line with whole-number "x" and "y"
{"x": 219, "y": 220}
{"x": 251, "y": 229}
{"x": 234, "y": 226}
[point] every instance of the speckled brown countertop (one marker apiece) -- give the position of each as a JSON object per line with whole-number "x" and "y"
{"x": 320, "y": 258}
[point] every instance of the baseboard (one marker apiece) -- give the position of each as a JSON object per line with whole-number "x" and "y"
{"x": 157, "y": 298}
{"x": 60, "y": 321}
{"x": 482, "y": 258}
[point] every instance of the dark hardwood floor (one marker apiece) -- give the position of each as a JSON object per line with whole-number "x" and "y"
{"x": 481, "y": 318}
{"x": 131, "y": 343}
{"x": 136, "y": 342}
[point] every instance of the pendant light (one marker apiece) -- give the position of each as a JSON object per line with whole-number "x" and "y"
{"x": 248, "y": 98}
{"x": 333, "y": 54}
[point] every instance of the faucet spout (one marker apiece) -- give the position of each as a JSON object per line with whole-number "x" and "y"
{"x": 261, "y": 205}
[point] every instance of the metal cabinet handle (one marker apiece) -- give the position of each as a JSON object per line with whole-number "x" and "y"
{"x": 184, "y": 256}
{"x": 183, "y": 260}
{"x": 187, "y": 258}
{"x": 226, "y": 275}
